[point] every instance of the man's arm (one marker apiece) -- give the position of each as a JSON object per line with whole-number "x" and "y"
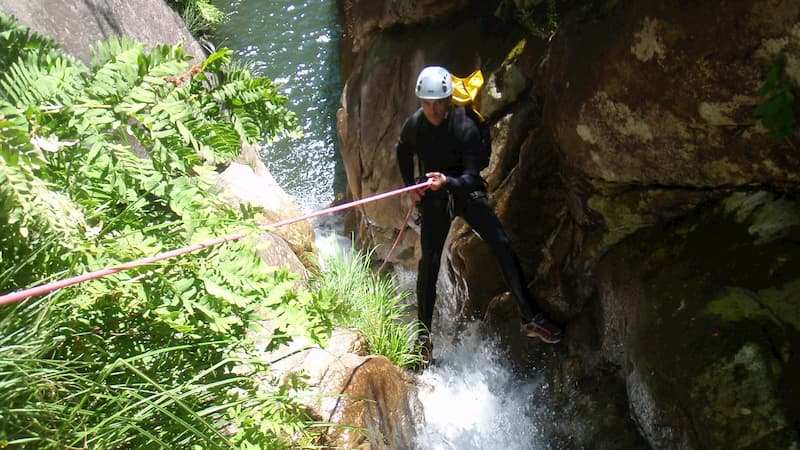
{"x": 405, "y": 151}
{"x": 470, "y": 178}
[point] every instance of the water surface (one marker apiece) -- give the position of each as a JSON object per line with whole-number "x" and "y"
{"x": 295, "y": 44}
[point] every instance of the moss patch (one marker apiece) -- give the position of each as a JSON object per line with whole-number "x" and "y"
{"x": 780, "y": 305}
{"x": 625, "y": 213}
{"x": 784, "y": 302}
{"x": 515, "y": 53}
{"x": 768, "y": 217}
{"x": 717, "y": 325}
{"x": 736, "y": 304}
{"x": 739, "y": 402}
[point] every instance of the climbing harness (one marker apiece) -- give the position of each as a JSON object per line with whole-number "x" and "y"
{"x": 50, "y": 287}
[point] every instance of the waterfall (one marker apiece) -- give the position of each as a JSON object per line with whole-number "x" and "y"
{"x": 471, "y": 396}
{"x": 472, "y": 399}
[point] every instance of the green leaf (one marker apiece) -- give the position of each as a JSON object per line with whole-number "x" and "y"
{"x": 777, "y": 111}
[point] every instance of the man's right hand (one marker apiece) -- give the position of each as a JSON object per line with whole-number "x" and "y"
{"x": 437, "y": 180}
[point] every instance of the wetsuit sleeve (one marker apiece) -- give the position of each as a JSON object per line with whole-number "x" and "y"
{"x": 405, "y": 154}
{"x": 470, "y": 178}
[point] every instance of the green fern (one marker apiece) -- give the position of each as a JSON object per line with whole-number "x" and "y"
{"x": 34, "y": 215}
{"x": 200, "y": 16}
{"x": 16, "y": 40}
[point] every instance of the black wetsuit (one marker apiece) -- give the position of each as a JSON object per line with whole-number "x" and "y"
{"x": 453, "y": 148}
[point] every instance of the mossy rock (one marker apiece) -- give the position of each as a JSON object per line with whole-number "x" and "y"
{"x": 716, "y": 334}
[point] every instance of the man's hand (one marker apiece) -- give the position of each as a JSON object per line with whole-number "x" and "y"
{"x": 437, "y": 179}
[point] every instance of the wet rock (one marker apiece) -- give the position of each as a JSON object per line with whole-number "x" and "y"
{"x": 366, "y": 18}
{"x": 369, "y": 398}
{"x": 707, "y": 338}
{"x": 652, "y": 214}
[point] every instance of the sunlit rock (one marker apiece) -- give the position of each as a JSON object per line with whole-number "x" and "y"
{"x": 366, "y": 396}
{"x": 79, "y": 25}
{"x": 247, "y": 180}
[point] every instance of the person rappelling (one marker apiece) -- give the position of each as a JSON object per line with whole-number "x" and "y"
{"x": 447, "y": 144}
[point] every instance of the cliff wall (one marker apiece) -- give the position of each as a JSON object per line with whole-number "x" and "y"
{"x": 654, "y": 214}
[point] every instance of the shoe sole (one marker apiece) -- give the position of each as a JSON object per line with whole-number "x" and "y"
{"x": 533, "y": 335}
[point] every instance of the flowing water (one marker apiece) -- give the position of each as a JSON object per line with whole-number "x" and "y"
{"x": 294, "y": 43}
{"x": 472, "y": 400}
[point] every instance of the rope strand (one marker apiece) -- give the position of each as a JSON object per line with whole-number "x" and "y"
{"x": 397, "y": 240}
{"x": 53, "y": 286}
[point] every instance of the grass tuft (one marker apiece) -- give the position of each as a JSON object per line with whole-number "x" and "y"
{"x": 370, "y": 303}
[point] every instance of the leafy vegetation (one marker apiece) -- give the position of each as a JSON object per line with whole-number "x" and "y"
{"x": 777, "y": 111}
{"x": 539, "y": 20}
{"x": 369, "y": 303}
{"x": 200, "y": 16}
{"x": 104, "y": 164}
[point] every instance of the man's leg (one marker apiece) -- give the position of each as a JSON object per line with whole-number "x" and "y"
{"x": 433, "y": 232}
{"x": 480, "y": 216}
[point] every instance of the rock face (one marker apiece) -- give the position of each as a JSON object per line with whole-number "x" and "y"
{"x": 377, "y": 98}
{"x": 652, "y": 213}
{"x": 367, "y": 18}
{"x": 247, "y": 180}
{"x": 77, "y": 25}
{"x": 368, "y": 396}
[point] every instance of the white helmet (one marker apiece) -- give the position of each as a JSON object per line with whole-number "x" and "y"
{"x": 433, "y": 83}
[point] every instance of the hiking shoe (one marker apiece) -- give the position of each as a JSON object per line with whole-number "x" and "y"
{"x": 425, "y": 350}
{"x": 540, "y": 327}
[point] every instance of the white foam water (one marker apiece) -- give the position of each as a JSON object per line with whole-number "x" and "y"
{"x": 330, "y": 240}
{"x": 472, "y": 399}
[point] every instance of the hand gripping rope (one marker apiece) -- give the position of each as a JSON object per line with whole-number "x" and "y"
{"x": 50, "y": 287}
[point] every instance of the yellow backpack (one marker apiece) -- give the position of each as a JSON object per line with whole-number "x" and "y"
{"x": 465, "y": 93}
{"x": 466, "y": 90}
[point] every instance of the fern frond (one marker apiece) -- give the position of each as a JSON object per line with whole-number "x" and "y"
{"x": 222, "y": 138}
{"x": 32, "y": 71}
{"x": 28, "y": 203}
{"x": 254, "y": 106}
{"x": 107, "y": 51}
{"x": 164, "y": 61}
{"x": 17, "y": 40}
{"x": 115, "y": 67}
{"x": 41, "y": 80}
{"x": 200, "y": 16}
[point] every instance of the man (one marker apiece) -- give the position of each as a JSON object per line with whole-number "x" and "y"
{"x": 447, "y": 145}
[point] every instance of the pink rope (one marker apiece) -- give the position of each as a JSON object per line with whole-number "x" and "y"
{"x": 397, "y": 240}
{"x": 50, "y": 287}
